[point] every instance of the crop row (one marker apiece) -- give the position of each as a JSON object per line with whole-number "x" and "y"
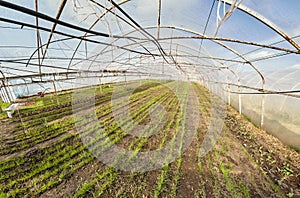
{"x": 48, "y": 166}
{"x": 67, "y": 121}
{"x": 52, "y": 112}
{"x": 168, "y": 127}
{"x": 49, "y": 131}
{"x": 108, "y": 175}
{"x": 114, "y": 139}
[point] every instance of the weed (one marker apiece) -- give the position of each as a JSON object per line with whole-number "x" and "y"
{"x": 3, "y": 195}
{"x": 291, "y": 193}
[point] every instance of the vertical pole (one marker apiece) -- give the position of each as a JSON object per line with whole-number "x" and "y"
{"x": 6, "y": 92}
{"x": 262, "y": 108}
{"x": 262, "y": 111}
{"x": 4, "y": 98}
{"x": 86, "y": 53}
{"x": 171, "y": 43}
{"x": 176, "y": 57}
{"x": 3, "y": 94}
{"x": 140, "y": 66}
{"x": 240, "y": 97}
{"x": 100, "y": 83}
{"x": 240, "y": 103}
{"x": 27, "y": 89}
{"x": 54, "y": 86}
{"x": 229, "y": 94}
{"x": 158, "y": 19}
{"x": 129, "y": 64}
{"x": 4, "y": 88}
{"x": 38, "y": 39}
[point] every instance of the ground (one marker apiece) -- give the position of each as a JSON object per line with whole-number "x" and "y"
{"x": 43, "y": 155}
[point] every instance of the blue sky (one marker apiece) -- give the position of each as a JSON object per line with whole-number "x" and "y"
{"x": 189, "y": 14}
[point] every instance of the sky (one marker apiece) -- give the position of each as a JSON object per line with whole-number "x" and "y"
{"x": 186, "y": 14}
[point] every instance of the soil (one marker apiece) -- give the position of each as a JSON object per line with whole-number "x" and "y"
{"x": 244, "y": 162}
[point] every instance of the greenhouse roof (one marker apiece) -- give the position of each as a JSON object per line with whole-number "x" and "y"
{"x": 232, "y": 42}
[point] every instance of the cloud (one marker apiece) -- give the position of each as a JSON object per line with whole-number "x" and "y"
{"x": 259, "y": 54}
{"x": 294, "y": 31}
{"x": 146, "y": 7}
{"x": 295, "y": 66}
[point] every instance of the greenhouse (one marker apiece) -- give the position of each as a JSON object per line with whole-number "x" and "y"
{"x": 149, "y": 98}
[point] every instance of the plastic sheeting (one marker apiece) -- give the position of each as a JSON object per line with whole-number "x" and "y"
{"x": 248, "y": 48}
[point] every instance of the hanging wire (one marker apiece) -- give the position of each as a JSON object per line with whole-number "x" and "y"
{"x": 206, "y": 23}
